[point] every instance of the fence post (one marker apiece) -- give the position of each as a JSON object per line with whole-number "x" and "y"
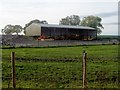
{"x": 13, "y": 69}
{"x": 84, "y": 69}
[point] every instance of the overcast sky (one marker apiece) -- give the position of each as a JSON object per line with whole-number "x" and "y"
{"x": 20, "y": 12}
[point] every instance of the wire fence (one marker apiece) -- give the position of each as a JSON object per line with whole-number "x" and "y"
{"x": 71, "y": 70}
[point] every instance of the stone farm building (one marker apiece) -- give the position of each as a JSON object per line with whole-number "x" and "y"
{"x": 60, "y": 32}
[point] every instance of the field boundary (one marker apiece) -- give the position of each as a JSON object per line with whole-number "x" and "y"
{"x": 12, "y": 47}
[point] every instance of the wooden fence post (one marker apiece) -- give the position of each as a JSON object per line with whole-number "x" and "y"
{"x": 84, "y": 69}
{"x": 13, "y": 69}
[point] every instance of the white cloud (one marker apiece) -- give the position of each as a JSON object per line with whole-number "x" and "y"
{"x": 22, "y": 11}
{"x": 110, "y": 30}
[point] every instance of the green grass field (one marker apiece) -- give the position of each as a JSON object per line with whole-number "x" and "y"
{"x": 33, "y": 72}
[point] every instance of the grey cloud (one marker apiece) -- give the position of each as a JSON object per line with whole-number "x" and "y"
{"x": 113, "y": 23}
{"x": 107, "y": 14}
{"x": 104, "y": 14}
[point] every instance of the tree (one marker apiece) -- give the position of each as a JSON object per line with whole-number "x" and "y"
{"x": 10, "y": 29}
{"x": 65, "y": 21}
{"x": 35, "y": 21}
{"x": 44, "y": 22}
{"x": 70, "y": 20}
{"x": 74, "y": 20}
{"x": 17, "y": 29}
{"x": 94, "y": 22}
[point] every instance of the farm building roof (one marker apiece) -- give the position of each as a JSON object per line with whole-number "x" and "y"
{"x": 66, "y": 26}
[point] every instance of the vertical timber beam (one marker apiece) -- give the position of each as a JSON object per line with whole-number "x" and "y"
{"x": 13, "y": 69}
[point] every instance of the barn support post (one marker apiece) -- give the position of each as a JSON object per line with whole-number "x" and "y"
{"x": 87, "y": 34}
{"x": 84, "y": 69}
{"x": 96, "y": 35}
{"x": 38, "y": 43}
{"x": 13, "y": 70}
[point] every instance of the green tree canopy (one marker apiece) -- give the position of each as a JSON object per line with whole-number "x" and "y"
{"x": 94, "y": 22}
{"x": 35, "y": 21}
{"x": 70, "y": 20}
{"x": 10, "y": 29}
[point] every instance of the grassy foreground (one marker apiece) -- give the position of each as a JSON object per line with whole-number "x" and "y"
{"x": 31, "y": 72}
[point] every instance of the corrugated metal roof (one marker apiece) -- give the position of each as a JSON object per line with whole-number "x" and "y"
{"x": 65, "y": 26}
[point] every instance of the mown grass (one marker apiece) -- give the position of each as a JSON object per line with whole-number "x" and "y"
{"x": 102, "y": 67}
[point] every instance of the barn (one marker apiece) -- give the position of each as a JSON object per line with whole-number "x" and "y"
{"x": 61, "y": 32}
